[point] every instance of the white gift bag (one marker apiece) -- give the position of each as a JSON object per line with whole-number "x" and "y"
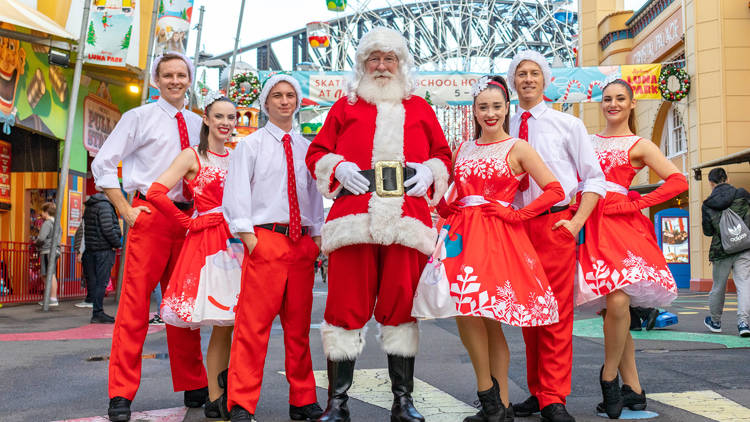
{"x": 432, "y": 299}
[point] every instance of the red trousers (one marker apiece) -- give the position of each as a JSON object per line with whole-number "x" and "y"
{"x": 153, "y": 245}
{"x": 367, "y": 279}
{"x": 549, "y": 349}
{"x": 277, "y": 279}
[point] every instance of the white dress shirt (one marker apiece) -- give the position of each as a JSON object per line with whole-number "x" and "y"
{"x": 255, "y": 189}
{"x": 564, "y": 145}
{"x": 146, "y": 140}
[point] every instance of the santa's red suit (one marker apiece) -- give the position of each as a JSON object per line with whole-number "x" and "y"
{"x": 377, "y": 245}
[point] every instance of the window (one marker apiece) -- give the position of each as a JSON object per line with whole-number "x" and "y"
{"x": 673, "y": 136}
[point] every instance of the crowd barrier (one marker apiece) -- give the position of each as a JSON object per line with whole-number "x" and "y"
{"x": 20, "y": 274}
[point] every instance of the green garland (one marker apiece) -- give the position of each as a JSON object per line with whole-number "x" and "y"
{"x": 244, "y": 96}
{"x": 682, "y": 78}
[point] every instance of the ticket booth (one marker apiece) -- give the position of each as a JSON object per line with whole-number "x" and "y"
{"x": 672, "y": 233}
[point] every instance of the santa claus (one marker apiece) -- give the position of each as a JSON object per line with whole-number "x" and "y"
{"x": 382, "y": 156}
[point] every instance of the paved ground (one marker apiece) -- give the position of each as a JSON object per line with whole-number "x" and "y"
{"x": 53, "y": 367}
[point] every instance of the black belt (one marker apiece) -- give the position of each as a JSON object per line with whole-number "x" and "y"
{"x": 182, "y": 206}
{"x": 282, "y": 228}
{"x": 386, "y": 179}
{"x": 556, "y": 208}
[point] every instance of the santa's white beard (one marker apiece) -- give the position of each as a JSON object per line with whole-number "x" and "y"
{"x": 375, "y": 90}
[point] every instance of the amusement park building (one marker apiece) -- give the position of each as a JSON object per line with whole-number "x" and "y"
{"x": 711, "y": 126}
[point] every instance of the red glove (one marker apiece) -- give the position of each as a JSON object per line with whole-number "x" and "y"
{"x": 553, "y": 193}
{"x": 445, "y": 210}
{"x": 673, "y": 185}
{"x": 205, "y": 221}
{"x": 157, "y": 196}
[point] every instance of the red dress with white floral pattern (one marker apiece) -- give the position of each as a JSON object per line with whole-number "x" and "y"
{"x": 492, "y": 267}
{"x": 620, "y": 251}
{"x": 205, "y": 282}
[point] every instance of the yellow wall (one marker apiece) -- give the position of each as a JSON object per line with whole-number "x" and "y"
{"x": 14, "y": 224}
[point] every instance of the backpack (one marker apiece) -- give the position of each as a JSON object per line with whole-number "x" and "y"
{"x": 734, "y": 234}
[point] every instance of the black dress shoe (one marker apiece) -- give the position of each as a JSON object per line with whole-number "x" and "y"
{"x": 556, "y": 412}
{"x": 102, "y": 318}
{"x": 211, "y": 409}
{"x": 196, "y": 398}
{"x": 238, "y": 414}
{"x": 526, "y": 408}
{"x": 612, "y": 399}
{"x": 119, "y": 409}
{"x": 308, "y": 412}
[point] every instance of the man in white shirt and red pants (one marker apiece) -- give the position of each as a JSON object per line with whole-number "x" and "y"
{"x": 146, "y": 140}
{"x": 380, "y": 153}
{"x": 280, "y": 228}
{"x": 563, "y": 143}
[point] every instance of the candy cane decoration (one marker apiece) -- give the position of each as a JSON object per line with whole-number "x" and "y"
{"x": 567, "y": 90}
{"x": 600, "y": 84}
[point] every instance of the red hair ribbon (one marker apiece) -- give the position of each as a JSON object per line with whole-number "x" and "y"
{"x": 491, "y": 82}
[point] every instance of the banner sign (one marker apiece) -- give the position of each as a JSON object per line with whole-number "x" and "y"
{"x": 569, "y": 85}
{"x": 109, "y": 31}
{"x": 75, "y": 202}
{"x": 5, "y": 152}
{"x": 171, "y": 33}
{"x": 99, "y": 119}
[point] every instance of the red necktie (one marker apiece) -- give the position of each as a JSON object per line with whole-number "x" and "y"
{"x": 523, "y": 133}
{"x": 184, "y": 143}
{"x": 295, "y": 222}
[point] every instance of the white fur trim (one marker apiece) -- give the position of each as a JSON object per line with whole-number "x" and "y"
{"x": 440, "y": 178}
{"x": 188, "y": 62}
{"x": 387, "y": 145}
{"x": 271, "y": 82}
{"x": 324, "y": 172}
{"x": 400, "y": 340}
{"x": 341, "y": 344}
{"x": 356, "y": 228}
{"x": 533, "y": 56}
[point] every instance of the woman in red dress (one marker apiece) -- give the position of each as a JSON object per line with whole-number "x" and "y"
{"x": 620, "y": 263}
{"x": 205, "y": 282}
{"x": 494, "y": 273}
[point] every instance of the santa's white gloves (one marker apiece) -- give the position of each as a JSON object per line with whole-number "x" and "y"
{"x": 347, "y": 173}
{"x": 421, "y": 181}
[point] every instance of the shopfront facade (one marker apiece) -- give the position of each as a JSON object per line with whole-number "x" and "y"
{"x": 709, "y": 40}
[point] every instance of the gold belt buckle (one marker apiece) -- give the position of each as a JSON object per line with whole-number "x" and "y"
{"x": 379, "y": 188}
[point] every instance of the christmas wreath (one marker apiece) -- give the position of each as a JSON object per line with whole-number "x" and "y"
{"x": 244, "y": 89}
{"x": 674, "y": 83}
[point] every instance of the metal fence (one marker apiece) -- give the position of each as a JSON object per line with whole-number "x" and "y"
{"x": 20, "y": 273}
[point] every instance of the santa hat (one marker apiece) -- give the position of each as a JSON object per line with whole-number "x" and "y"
{"x": 386, "y": 40}
{"x": 171, "y": 55}
{"x": 271, "y": 82}
{"x": 532, "y": 56}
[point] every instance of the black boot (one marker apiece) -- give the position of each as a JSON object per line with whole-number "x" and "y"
{"x": 492, "y": 409}
{"x": 222, "y": 403}
{"x": 401, "y": 371}
{"x": 611, "y": 394}
{"x": 340, "y": 376}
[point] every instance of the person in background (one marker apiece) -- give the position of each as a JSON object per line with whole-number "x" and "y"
{"x": 563, "y": 143}
{"x": 146, "y": 140}
{"x": 620, "y": 260}
{"x": 102, "y": 238}
{"x": 79, "y": 247}
{"x": 725, "y": 196}
{"x": 44, "y": 242}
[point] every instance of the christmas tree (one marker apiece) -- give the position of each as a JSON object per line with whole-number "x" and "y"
{"x": 91, "y": 38}
{"x": 161, "y": 7}
{"x": 427, "y": 98}
{"x": 126, "y": 41}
